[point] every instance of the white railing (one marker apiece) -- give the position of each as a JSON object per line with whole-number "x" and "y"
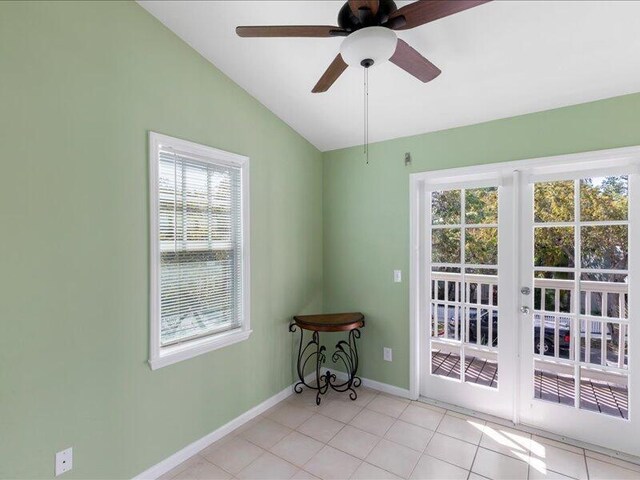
{"x": 603, "y": 316}
{"x": 481, "y": 298}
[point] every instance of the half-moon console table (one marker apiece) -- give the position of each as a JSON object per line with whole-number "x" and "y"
{"x": 346, "y": 351}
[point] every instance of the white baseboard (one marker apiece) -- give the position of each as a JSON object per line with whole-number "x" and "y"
{"x": 386, "y": 388}
{"x": 375, "y": 385}
{"x": 190, "y": 450}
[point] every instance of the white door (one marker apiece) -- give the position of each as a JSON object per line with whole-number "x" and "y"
{"x": 525, "y": 280}
{"x": 577, "y": 284}
{"x": 467, "y": 309}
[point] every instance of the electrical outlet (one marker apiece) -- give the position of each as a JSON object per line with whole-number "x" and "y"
{"x": 397, "y": 276}
{"x": 388, "y": 354}
{"x": 64, "y": 461}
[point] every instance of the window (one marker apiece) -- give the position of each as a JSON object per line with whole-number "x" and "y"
{"x": 199, "y": 249}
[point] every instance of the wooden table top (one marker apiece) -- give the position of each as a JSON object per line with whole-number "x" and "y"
{"x": 330, "y": 322}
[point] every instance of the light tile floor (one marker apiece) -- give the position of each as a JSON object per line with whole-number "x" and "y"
{"x": 384, "y": 437}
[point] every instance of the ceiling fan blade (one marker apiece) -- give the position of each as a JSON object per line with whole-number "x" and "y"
{"x": 408, "y": 59}
{"x": 291, "y": 31}
{"x": 330, "y": 75}
{"x": 425, "y": 11}
{"x": 356, "y": 5}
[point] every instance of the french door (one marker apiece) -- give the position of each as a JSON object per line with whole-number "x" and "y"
{"x": 577, "y": 279}
{"x": 467, "y": 257}
{"x": 524, "y": 291}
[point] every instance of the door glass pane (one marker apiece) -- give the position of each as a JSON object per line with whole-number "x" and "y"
{"x": 591, "y": 342}
{"x": 554, "y": 382}
{"x": 481, "y": 205}
{"x": 604, "y": 393}
{"x": 553, "y": 291}
{"x": 445, "y": 360}
{"x": 554, "y": 202}
{"x": 481, "y": 368}
{"x": 481, "y": 246}
{"x": 445, "y": 207}
{"x": 616, "y": 344}
{"x": 552, "y": 335}
{"x": 605, "y": 247}
{"x": 604, "y": 198}
{"x": 446, "y": 303}
{"x": 612, "y": 292}
{"x": 445, "y": 245}
{"x": 554, "y": 247}
{"x": 605, "y": 342}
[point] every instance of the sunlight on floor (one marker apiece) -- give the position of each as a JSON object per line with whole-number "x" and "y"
{"x": 526, "y": 449}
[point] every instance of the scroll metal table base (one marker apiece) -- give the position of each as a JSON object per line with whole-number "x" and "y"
{"x": 346, "y": 352}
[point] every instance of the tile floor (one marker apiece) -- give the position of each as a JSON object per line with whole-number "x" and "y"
{"x": 384, "y": 437}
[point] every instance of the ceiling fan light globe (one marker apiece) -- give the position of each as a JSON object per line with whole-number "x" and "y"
{"x": 375, "y": 43}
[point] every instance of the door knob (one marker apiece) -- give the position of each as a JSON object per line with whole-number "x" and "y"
{"x": 524, "y": 309}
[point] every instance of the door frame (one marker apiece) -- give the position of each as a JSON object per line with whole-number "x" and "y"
{"x": 627, "y": 158}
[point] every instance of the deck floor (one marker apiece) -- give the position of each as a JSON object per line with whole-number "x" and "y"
{"x": 477, "y": 370}
{"x": 602, "y": 397}
{"x": 598, "y": 396}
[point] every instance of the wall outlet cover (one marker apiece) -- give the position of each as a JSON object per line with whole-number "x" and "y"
{"x": 64, "y": 461}
{"x": 397, "y": 276}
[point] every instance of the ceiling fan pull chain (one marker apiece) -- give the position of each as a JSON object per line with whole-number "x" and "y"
{"x": 366, "y": 113}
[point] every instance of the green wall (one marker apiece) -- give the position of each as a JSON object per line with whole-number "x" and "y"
{"x": 366, "y": 208}
{"x": 81, "y": 84}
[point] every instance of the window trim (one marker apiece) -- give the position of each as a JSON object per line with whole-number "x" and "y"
{"x": 162, "y": 356}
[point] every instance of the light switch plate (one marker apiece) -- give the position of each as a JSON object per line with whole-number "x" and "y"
{"x": 64, "y": 461}
{"x": 387, "y": 354}
{"x": 397, "y": 276}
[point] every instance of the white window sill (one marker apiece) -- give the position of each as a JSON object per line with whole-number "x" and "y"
{"x": 177, "y": 353}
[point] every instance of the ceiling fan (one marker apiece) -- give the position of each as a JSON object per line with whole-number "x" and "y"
{"x": 369, "y": 27}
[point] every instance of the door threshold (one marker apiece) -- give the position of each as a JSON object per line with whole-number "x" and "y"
{"x": 532, "y": 430}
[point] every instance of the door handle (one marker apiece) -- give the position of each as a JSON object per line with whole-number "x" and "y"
{"x": 524, "y": 309}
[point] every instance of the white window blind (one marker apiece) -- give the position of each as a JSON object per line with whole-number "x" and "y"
{"x": 200, "y": 246}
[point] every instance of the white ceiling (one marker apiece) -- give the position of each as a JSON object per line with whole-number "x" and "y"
{"x": 498, "y": 60}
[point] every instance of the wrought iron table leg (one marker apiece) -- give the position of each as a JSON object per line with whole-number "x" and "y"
{"x": 346, "y": 352}
{"x": 303, "y": 358}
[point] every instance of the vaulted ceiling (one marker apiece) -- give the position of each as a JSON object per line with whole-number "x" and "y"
{"x": 498, "y": 60}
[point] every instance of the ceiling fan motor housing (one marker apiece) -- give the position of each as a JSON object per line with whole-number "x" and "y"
{"x": 351, "y": 22}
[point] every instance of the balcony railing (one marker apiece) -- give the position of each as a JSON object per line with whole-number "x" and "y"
{"x": 603, "y": 318}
